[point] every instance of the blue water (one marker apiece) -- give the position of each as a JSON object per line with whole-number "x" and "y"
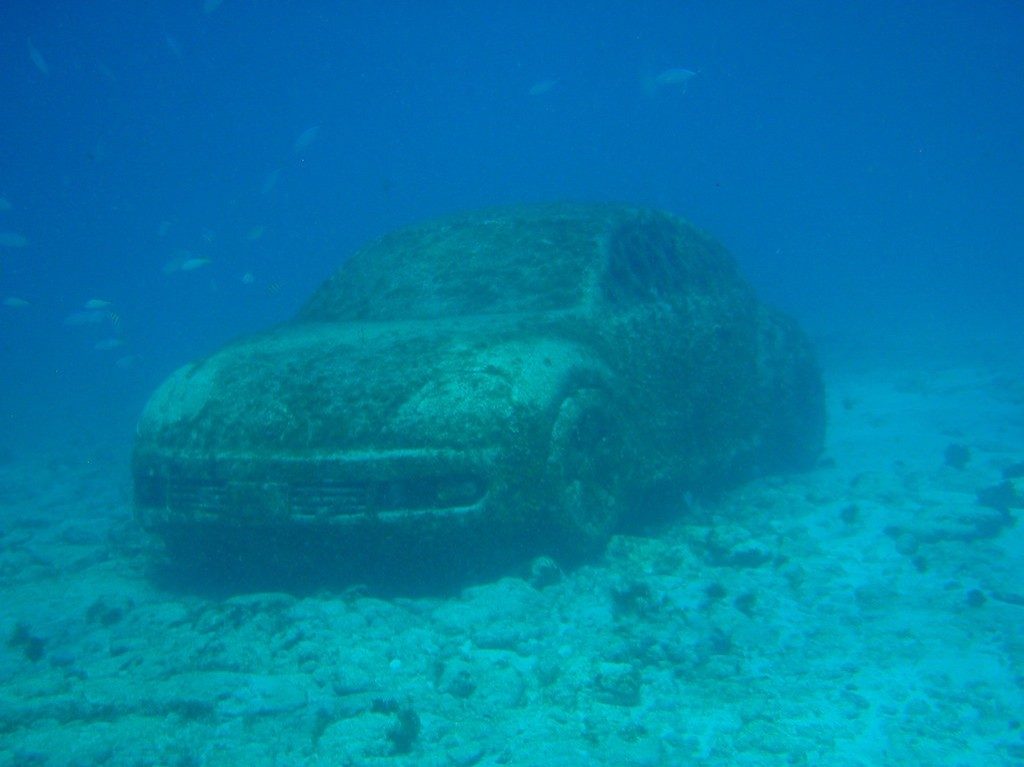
{"x": 196, "y": 170}
{"x": 863, "y": 162}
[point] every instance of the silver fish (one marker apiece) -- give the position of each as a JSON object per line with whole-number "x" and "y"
{"x": 108, "y": 344}
{"x": 37, "y": 59}
{"x": 194, "y": 263}
{"x": 674, "y": 78}
{"x": 306, "y": 138}
{"x": 13, "y": 240}
{"x": 542, "y": 88}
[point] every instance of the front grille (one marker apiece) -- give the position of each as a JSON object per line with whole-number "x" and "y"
{"x": 199, "y": 498}
{"x": 174, "y": 493}
{"x": 330, "y": 499}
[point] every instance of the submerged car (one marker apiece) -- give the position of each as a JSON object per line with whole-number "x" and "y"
{"x": 518, "y": 379}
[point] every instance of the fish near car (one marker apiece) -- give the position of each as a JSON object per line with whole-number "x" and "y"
{"x": 191, "y": 264}
{"x": 675, "y": 78}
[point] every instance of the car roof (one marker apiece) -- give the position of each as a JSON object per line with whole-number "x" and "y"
{"x": 517, "y": 259}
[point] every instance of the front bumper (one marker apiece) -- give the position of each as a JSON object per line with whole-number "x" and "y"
{"x": 345, "y": 489}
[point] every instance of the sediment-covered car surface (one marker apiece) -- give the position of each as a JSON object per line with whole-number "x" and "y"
{"x": 526, "y": 375}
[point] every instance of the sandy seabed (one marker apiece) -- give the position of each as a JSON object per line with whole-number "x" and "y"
{"x": 870, "y": 612}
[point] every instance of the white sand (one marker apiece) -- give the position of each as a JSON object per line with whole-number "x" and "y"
{"x": 862, "y": 614}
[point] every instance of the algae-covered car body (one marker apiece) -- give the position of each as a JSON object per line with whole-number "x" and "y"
{"x": 524, "y": 375}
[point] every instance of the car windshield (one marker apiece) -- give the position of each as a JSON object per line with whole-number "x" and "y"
{"x": 540, "y": 261}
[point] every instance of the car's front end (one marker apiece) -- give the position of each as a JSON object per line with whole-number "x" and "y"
{"x": 347, "y": 436}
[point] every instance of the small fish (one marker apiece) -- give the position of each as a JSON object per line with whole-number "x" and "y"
{"x": 13, "y": 240}
{"x": 191, "y": 264}
{"x": 306, "y": 138}
{"x": 106, "y": 71}
{"x": 180, "y": 256}
{"x": 96, "y": 303}
{"x": 91, "y": 317}
{"x": 676, "y": 77}
{"x": 127, "y": 362}
{"x": 37, "y": 59}
{"x": 163, "y": 229}
{"x": 15, "y": 303}
{"x": 255, "y": 233}
{"x": 248, "y": 279}
{"x": 542, "y": 88}
{"x": 5, "y": 204}
{"x": 108, "y": 344}
{"x": 209, "y": 6}
{"x": 270, "y": 181}
{"x": 172, "y": 46}
{"x": 98, "y": 153}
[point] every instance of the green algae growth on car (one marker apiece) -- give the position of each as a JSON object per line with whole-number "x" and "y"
{"x": 499, "y": 383}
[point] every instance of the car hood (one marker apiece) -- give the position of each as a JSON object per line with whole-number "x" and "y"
{"x": 316, "y": 388}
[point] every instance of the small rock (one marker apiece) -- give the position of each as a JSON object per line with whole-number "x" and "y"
{"x": 957, "y": 455}
{"x": 634, "y": 598}
{"x": 544, "y": 571}
{"x": 459, "y": 683}
{"x": 108, "y": 610}
{"x": 975, "y": 598}
{"x": 406, "y": 728}
{"x": 1010, "y": 598}
{"x": 1001, "y": 497}
{"x": 465, "y": 755}
{"x": 31, "y": 645}
{"x": 728, "y": 549}
{"x": 714, "y": 592}
{"x": 267, "y": 694}
{"x": 618, "y": 684}
{"x": 1014, "y": 470}
{"x": 745, "y": 603}
{"x": 907, "y": 543}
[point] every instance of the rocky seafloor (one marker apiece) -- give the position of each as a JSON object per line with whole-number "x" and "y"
{"x": 869, "y": 612}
